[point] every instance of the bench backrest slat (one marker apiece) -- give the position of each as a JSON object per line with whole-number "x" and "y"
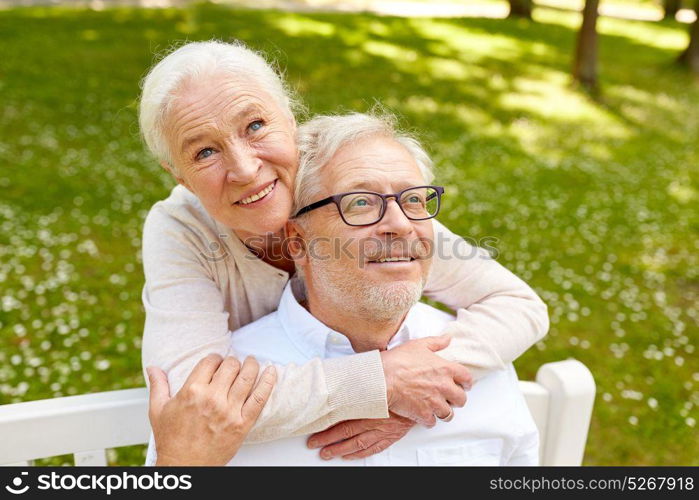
{"x": 560, "y": 402}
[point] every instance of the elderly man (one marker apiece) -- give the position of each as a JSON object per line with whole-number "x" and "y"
{"x": 362, "y": 242}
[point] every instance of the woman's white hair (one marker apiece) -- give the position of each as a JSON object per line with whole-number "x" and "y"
{"x": 321, "y": 138}
{"x": 197, "y": 60}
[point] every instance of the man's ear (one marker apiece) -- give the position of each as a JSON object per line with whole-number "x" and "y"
{"x": 172, "y": 172}
{"x": 296, "y": 244}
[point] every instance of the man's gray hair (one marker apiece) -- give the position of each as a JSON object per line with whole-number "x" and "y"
{"x": 201, "y": 60}
{"x": 322, "y": 137}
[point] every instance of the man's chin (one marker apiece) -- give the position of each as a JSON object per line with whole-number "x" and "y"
{"x": 386, "y": 300}
{"x": 396, "y": 283}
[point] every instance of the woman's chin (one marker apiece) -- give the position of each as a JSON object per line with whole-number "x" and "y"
{"x": 261, "y": 218}
{"x": 262, "y": 224}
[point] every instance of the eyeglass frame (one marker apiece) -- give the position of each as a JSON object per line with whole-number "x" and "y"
{"x": 384, "y": 198}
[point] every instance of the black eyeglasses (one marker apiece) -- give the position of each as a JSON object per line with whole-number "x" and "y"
{"x": 364, "y": 208}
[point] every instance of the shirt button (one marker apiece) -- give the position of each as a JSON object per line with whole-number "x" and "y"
{"x": 335, "y": 339}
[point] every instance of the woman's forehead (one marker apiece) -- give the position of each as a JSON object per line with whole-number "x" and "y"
{"x": 217, "y": 95}
{"x": 216, "y": 103}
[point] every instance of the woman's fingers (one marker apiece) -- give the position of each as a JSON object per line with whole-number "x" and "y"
{"x": 260, "y": 394}
{"x": 204, "y": 370}
{"x": 437, "y": 343}
{"x": 361, "y": 442}
{"x": 244, "y": 382}
{"x": 360, "y": 438}
{"x": 456, "y": 396}
{"x": 463, "y": 377}
{"x": 340, "y": 432}
{"x": 159, "y": 390}
{"x": 223, "y": 379}
{"x": 443, "y": 411}
{"x": 372, "y": 450}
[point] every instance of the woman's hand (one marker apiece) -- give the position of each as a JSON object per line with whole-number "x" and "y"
{"x": 208, "y": 419}
{"x": 355, "y": 439}
{"x": 421, "y": 385}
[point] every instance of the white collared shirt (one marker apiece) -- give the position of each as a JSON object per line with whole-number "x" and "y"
{"x": 494, "y": 428}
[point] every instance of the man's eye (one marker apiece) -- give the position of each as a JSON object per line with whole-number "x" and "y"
{"x": 204, "y": 153}
{"x": 362, "y": 202}
{"x": 413, "y": 197}
{"x": 256, "y": 125}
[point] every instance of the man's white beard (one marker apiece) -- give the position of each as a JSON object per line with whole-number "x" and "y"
{"x": 380, "y": 302}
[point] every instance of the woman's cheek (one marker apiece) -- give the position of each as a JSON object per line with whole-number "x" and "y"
{"x": 279, "y": 145}
{"x": 210, "y": 185}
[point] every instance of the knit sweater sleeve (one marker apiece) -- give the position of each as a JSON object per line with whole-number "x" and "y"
{"x": 186, "y": 320}
{"x": 498, "y": 316}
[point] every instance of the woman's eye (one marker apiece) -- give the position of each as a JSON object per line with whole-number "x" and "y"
{"x": 205, "y": 153}
{"x": 256, "y": 125}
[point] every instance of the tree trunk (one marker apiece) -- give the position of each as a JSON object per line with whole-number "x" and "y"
{"x": 671, "y": 8}
{"x": 521, "y": 8}
{"x": 690, "y": 57}
{"x": 585, "y": 67}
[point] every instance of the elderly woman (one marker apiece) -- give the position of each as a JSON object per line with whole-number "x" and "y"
{"x": 221, "y": 121}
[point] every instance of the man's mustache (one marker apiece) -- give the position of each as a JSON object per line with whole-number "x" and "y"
{"x": 398, "y": 249}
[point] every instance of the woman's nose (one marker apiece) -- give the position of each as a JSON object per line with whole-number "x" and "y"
{"x": 243, "y": 166}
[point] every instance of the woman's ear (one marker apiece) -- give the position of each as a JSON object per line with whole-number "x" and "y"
{"x": 294, "y": 125}
{"x": 171, "y": 171}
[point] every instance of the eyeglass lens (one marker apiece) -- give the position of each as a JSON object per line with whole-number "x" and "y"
{"x": 365, "y": 208}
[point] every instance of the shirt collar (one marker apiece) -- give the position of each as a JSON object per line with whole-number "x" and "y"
{"x": 315, "y": 339}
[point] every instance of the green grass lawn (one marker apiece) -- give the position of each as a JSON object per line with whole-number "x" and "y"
{"x": 593, "y": 203}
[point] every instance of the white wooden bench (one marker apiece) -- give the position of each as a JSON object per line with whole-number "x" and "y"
{"x": 86, "y": 426}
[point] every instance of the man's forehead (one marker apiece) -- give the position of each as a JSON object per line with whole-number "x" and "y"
{"x": 372, "y": 148}
{"x": 372, "y": 161}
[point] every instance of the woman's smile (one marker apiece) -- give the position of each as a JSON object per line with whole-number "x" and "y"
{"x": 259, "y": 196}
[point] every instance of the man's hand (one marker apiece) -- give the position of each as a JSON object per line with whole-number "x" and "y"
{"x": 208, "y": 419}
{"x": 422, "y": 386}
{"x": 355, "y": 439}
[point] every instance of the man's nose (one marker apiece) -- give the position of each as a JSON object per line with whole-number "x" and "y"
{"x": 394, "y": 221}
{"x": 242, "y": 164}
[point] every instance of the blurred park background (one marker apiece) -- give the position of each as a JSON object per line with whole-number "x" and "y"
{"x": 591, "y": 194}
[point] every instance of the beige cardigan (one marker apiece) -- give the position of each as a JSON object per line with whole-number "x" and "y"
{"x": 202, "y": 284}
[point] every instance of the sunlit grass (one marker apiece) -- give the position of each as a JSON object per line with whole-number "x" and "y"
{"x": 295, "y": 26}
{"x": 592, "y": 202}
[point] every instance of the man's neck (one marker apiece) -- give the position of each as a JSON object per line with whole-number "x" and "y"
{"x": 364, "y": 333}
